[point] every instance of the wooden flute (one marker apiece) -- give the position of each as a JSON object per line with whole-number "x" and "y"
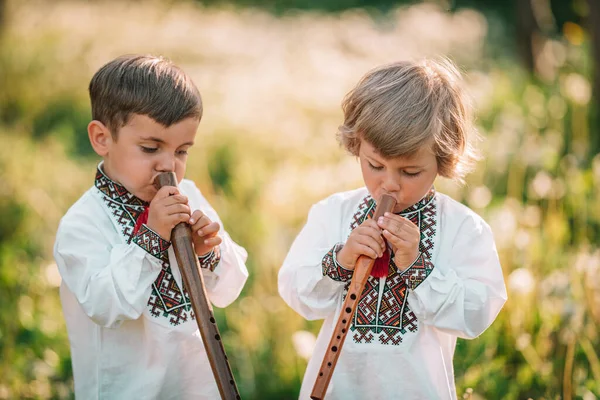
{"x": 181, "y": 238}
{"x": 362, "y": 270}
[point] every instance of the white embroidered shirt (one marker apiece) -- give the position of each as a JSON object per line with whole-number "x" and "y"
{"x": 403, "y": 334}
{"x": 132, "y": 331}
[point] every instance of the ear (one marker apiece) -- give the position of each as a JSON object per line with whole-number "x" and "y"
{"x": 100, "y": 137}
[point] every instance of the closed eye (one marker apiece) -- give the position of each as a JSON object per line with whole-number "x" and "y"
{"x": 373, "y": 167}
{"x": 412, "y": 174}
{"x": 149, "y": 149}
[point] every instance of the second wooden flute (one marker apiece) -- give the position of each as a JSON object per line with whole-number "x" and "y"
{"x": 181, "y": 237}
{"x": 362, "y": 270}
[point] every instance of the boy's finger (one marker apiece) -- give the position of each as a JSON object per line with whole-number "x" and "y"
{"x": 392, "y": 239}
{"x": 166, "y": 191}
{"x": 373, "y": 244}
{"x": 213, "y": 241}
{"x": 367, "y": 251}
{"x": 409, "y": 237}
{"x": 372, "y": 229}
{"x": 399, "y": 242}
{"x": 395, "y": 226}
{"x": 179, "y": 208}
{"x": 175, "y": 199}
{"x": 369, "y": 222}
{"x": 398, "y": 218}
{"x": 178, "y": 217}
{"x": 196, "y": 215}
{"x": 199, "y": 223}
{"x": 210, "y": 229}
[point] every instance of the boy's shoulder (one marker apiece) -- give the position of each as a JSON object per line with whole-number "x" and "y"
{"x": 340, "y": 204}
{"x": 83, "y": 209}
{"x": 348, "y": 197}
{"x": 188, "y": 186}
{"x": 457, "y": 214}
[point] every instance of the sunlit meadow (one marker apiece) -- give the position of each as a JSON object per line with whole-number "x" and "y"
{"x": 266, "y": 151}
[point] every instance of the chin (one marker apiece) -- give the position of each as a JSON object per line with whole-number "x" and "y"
{"x": 145, "y": 196}
{"x": 399, "y": 208}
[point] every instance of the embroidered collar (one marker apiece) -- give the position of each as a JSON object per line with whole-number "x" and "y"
{"x": 418, "y": 206}
{"x": 421, "y": 204}
{"x": 115, "y": 191}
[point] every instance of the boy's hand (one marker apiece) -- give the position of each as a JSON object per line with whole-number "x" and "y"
{"x": 204, "y": 233}
{"x": 167, "y": 209}
{"x": 403, "y": 236}
{"x": 364, "y": 240}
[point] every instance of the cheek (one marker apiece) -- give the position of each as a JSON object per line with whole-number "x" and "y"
{"x": 369, "y": 178}
{"x": 421, "y": 186}
{"x": 180, "y": 168}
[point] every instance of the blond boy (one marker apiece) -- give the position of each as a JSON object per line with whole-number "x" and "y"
{"x": 407, "y": 123}
{"x": 132, "y": 331}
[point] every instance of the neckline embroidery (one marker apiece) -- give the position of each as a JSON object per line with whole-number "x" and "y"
{"x": 115, "y": 191}
{"x": 421, "y": 204}
{"x": 167, "y": 300}
{"x": 383, "y": 314}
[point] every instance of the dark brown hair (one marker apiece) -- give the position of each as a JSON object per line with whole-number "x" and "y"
{"x": 144, "y": 85}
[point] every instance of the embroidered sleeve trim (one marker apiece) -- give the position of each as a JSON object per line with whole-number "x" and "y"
{"x": 211, "y": 260}
{"x": 417, "y": 272}
{"x": 151, "y": 241}
{"x": 332, "y": 268}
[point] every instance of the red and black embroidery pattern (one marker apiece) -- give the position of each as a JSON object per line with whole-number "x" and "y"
{"x": 332, "y": 268}
{"x": 167, "y": 299}
{"x": 383, "y": 313}
{"x": 210, "y": 260}
{"x": 150, "y": 241}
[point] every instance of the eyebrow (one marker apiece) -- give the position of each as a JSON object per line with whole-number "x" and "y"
{"x": 159, "y": 140}
{"x": 403, "y": 167}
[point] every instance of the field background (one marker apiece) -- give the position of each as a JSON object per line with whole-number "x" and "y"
{"x": 272, "y": 76}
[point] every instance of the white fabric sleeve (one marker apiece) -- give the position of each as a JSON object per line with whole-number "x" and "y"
{"x": 302, "y": 282}
{"x": 464, "y": 300}
{"x": 226, "y": 281}
{"x": 111, "y": 283}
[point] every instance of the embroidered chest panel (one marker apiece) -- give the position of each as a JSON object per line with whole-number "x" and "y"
{"x": 167, "y": 299}
{"x": 383, "y": 314}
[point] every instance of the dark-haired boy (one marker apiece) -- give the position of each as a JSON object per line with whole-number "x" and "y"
{"x": 131, "y": 328}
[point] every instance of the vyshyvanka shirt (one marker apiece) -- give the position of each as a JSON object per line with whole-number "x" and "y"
{"x": 403, "y": 334}
{"x": 131, "y": 327}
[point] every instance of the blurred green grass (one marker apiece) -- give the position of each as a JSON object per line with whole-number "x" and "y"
{"x": 266, "y": 151}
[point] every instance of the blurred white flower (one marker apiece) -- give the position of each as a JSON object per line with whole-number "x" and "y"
{"x": 304, "y": 343}
{"x": 523, "y": 341}
{"x": 480, "y": 197}
{"x": 521, "y": 281}
{"x": 4, "y": 392}
{"x": 587, "y": 262}
{"x": 577, "y": 88}
{"x": 52, "y": 275}
{"x": 51, "y": 358}
{"x": 555, "y": 286}
{"x": 531, "y": 216}
{"x": 589, "y": 395}
{"x": 542, "y": 185}
{"x": 522, "y": 239}
{"x": 504, "y": 224}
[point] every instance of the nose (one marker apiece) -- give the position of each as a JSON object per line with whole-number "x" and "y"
{"x": 166, "y": 163}
{"x": 391, "y": 184}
